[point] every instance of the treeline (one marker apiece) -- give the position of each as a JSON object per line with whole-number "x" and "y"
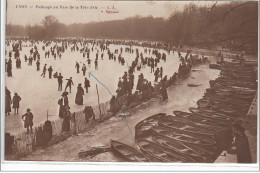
{"x": 232, "y": 25}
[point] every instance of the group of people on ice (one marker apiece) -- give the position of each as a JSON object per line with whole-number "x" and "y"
{"x": 150, "y": 58}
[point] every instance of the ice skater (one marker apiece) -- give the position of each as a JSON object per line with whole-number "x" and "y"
{"x": 86, "y": 84}
{"x": 50, "y": 71}
{"x": 59, "y": 82}
{"x": 69, "y": 83}
{"x": 96, "y": 64}
{"x": 89, "y": 62}
{"x": 84, "y": 68}
{"x": 77, "y": 67}
{"x": 16, "y": 103}
{"x": 44, "y": 70}
{"x": 38, "y": 65}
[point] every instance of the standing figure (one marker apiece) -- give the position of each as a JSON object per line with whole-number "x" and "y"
{"x": 61, "y": 109}
{"x": 59, "y": 82}
{"x": 86, "y": 84}
{"x": 38, "y": 65}
{"x": 242, "y": 145}
{"x": 9, "y": 68}
{"x": 66, "y": 120}
{"x": 8, "y": 102}
{"x": 28, "y": 121}
{"x": 44, "y": 70}
{"x": 164, "y": 92}
{"x": 96, "y": 64}
{"x": 69, "y": 84}
{"x": 77, "y": 67}
{"x": 79, "y": 95}
{"x": 50, "y": 71}
{"x": 156, "y": 74}
{"x": 16, "y": 101}
{"x": 84, "y": 68}
{"x": 161, "y": 72}
{"x": 89, "y": 62}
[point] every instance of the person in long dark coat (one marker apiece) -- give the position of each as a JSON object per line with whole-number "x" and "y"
{"x": 59, "y": 82}
{"x": 28, "y": 121}
{"x": 8, "y": 102}
{"x": 140, "y": 81}
{"x": 9, "y": 68}
{"x": 16, "y": 103}
{"x": 77, "y": 67}
{"x": 164, "y": 92}
{"x": 61, "y": 109}
{"x": 50, "y": 71}
{"x": 242, "y": 145}
{"x": 79, "y": 95}
{"x": 114, "y": 105}
{"x": 66, "y": 120}
{"x": 38, "y": 65}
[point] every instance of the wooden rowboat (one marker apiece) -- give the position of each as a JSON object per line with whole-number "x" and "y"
{"x": 184, "y": 138}
{"x": 143, "y": 128}
{"x": 127, "y": 152}
{"x": 156, "y": 152}
{"x": 182, "y": 149}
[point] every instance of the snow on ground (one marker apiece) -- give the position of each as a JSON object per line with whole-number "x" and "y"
{"x": 181, "y": 97}
{"x": 41, "y": 94}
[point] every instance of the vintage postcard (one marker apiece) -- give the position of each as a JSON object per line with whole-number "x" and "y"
{"x": 115, "y": 82}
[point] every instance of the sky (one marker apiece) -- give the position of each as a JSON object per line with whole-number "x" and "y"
{"x": 24, "y": 12}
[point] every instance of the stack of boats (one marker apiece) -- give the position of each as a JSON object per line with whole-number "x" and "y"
{"x": 201, "y": 134}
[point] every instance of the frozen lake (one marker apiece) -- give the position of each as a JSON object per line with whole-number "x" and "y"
{"x": 41, "y": 94}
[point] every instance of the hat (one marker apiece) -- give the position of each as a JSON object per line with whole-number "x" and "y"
{"x": 65, "y": 93}
{"x": 28, "y": 109}
{"x": 238, "y": 127}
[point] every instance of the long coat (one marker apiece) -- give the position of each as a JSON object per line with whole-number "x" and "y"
{"x": 79, "y": 96}
{"x": 66, "y": 121}
{"x": 242, "y": 149}
{"x": 8, "y": 102}
{"x": 16, "y": 100}
{"x": 61, "y": 110}
{"x": 28, "y": 119}
{"x": 164, "y": 92}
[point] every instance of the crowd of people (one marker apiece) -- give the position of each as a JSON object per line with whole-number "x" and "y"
{"x": 150, "y": 57}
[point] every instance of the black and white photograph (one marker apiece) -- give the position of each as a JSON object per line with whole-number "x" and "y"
{"x": 130, "y": 81}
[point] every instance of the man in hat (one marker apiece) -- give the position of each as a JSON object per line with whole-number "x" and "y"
{"x": 28, "y": 121}
{"x": 242, "y": 145}
{"x": 69, "y": 83}
{"x": 16, "y": 101}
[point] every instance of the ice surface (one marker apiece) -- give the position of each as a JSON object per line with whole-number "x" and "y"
{"x": 41, "y": 94}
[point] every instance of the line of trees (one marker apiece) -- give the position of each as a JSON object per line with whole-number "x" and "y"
{"x": 232, "y": 25}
